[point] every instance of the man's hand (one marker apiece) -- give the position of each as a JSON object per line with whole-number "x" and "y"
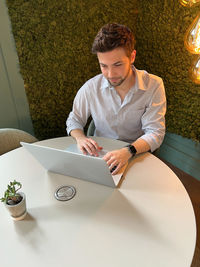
{"x": 88, "y": 145}
{"x": 117, "y": 158}
{"x": 85, "y": 144}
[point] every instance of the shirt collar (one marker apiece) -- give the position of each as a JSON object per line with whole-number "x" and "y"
{"x": 105, "y": 84}
{"x": 140, "y": 79}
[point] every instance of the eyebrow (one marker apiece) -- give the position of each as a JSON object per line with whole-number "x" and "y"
{"x": 118, "y": 62}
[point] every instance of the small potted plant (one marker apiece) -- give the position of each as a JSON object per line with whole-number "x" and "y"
{"x": 15, "y": 201}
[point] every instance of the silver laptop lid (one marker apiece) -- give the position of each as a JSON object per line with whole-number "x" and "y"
{"x": 89, "y": 168}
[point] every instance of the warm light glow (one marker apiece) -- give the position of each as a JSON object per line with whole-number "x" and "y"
{"x": 192, "y": 37}
{"x": 189, "y": 3}
{"x": 194, "y": 71}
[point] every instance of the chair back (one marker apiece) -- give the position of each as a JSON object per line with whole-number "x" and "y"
{"x": 10, "y": 139}
{"x": 91, "y": 128}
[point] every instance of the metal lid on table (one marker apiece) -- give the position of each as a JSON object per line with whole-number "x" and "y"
{"x": 65, "y": 193}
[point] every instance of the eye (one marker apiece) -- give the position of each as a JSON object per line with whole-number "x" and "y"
{"x": 103, "y": 66}
{"x": 118, "y": 64}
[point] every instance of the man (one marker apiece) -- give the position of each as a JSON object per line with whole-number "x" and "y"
{"x": 125, "y": 103}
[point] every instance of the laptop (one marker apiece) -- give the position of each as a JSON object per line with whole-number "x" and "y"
{"x": 72, "y": 162}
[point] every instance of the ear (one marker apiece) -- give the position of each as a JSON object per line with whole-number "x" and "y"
{"x": 133, "y": 55}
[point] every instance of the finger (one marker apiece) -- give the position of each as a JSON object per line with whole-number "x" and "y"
{"x": 117, "y": 169}
{"x": 91, "y": 148}
{"x": 83, "y": 150}
{"x": 111, "y": 162}
{"x": 113, "y": 168}
{"x": 95, "y": 144}
{"x": 107, "y": 156}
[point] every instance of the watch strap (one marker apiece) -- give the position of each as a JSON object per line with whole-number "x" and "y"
{"x": 132, "y": 149}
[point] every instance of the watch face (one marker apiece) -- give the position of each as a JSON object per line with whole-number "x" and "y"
{"x": 132, "y": 149}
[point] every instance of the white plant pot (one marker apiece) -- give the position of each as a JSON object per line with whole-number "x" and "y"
{"x": 18, "y": 211}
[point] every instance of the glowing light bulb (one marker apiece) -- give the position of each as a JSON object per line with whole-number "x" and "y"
{"x": 189, "y": 3}
{"x": 192, "y": 36}
{"x": 194, "y": 71}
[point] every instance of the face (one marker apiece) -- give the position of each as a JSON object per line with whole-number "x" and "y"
{"x": 116, "y": 66}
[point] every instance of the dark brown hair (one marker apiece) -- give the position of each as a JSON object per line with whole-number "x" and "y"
{"x": 112, "y": 36}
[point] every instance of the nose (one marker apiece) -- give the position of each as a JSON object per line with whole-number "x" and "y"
{"x": 110, "y": 73}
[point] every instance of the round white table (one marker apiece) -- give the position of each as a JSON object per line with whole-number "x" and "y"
{"x": 148, "y": 221}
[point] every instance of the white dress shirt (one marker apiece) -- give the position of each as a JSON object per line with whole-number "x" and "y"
{"x": 140, "y": 115}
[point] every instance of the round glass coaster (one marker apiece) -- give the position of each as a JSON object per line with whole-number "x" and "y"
{"x": 65, "y": 193}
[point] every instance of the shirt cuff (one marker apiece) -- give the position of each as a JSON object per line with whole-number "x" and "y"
{"x": 74, "y": 127}
{"x": 153, "y": 140}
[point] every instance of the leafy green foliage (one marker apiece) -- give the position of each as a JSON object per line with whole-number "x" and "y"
{"x": 11, "y": 193}
{"x": 53, "y": 40}
{"x": 161, "y": 27}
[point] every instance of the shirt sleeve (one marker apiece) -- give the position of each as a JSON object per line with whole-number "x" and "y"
{"x": 80, "y": 113}
{"x": 153, "y": 120}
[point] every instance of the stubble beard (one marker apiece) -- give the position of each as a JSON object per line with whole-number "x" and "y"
{"x": 120, "y": 81}
{"x": 117, "y": 84}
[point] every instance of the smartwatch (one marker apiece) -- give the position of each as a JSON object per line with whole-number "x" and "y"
{"x": 132, "y": 150}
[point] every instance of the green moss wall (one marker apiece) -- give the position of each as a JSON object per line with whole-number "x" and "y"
{"x": 161, "y": 27}
{"x": 53, "y": 40}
